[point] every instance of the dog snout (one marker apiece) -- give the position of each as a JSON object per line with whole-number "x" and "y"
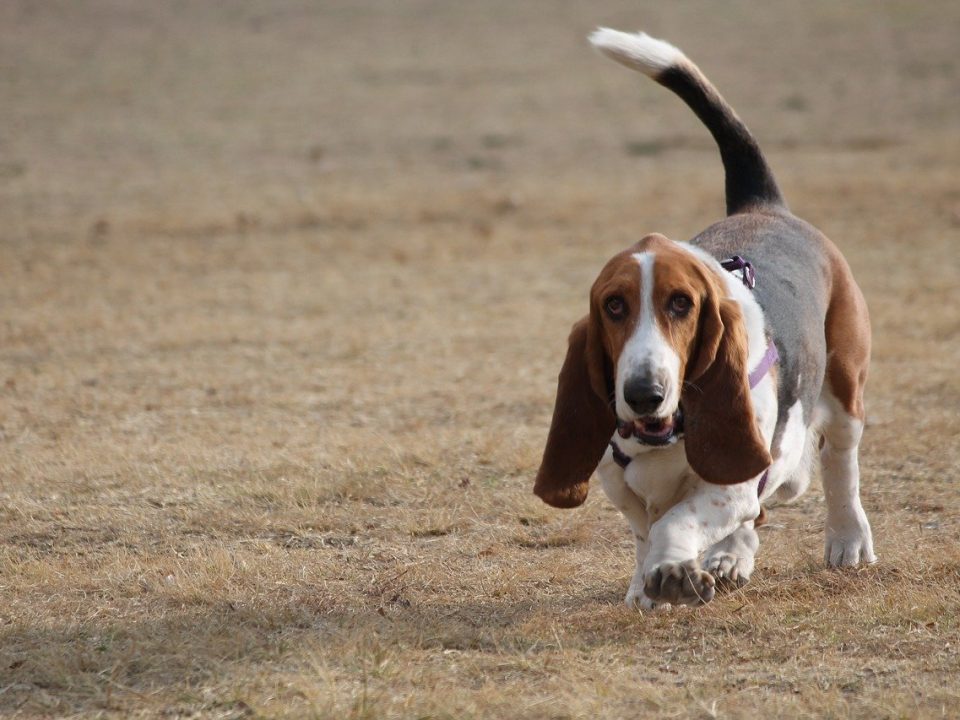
{"x": 644, "y": 395}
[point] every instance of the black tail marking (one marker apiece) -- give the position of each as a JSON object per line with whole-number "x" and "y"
{"x": 749, "y": 180}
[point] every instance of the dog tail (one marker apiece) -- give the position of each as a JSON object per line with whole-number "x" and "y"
{"x": 749, "y": 180}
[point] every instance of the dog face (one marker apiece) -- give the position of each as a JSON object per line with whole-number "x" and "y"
{"x": 648, "y": 302}
{"x": 660, "y": 341}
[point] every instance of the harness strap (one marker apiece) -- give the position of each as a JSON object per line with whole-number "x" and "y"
{"x": 749, "y": 276}
{"x": 763, "y": 367}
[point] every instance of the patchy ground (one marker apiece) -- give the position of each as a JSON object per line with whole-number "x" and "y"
{"x": 284, "y": 288}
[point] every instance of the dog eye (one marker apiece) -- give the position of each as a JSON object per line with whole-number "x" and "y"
{"x": 680, "y": 304}
{"x": 615, "y": 307}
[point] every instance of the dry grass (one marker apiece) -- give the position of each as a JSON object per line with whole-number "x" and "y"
{"x": 283, "y": 293}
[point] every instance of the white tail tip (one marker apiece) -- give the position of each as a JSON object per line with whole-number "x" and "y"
{"x": 638, "y": 51}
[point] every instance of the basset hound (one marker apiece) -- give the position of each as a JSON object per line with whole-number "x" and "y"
{"x": 708, "y": 373}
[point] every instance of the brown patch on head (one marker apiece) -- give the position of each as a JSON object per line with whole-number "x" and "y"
{"x": 680, "y": 276}
{"x": 686, "y": 298}
{"x": 677, "y": 275}
{"x": 618, "y": 280}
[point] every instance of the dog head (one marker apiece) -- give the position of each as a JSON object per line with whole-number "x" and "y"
{"x": 661, "y": 340}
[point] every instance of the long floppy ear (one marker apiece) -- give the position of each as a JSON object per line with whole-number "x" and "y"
{"x": 723, "y": 443}
{"x": 583, "y": 422}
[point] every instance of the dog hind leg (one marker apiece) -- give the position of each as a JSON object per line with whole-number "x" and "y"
{"x": 849, "y": 540}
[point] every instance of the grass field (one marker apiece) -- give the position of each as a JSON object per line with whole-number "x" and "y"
{"x": 284, "y": 289}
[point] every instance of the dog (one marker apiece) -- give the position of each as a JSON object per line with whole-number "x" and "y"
{"x": 708, "y": 373}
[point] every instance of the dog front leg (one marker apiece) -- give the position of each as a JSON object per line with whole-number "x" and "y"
{"x": 635, "y": 511}
{"x": 671, "y": 570}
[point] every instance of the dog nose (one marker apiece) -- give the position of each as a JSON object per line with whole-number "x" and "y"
{"x": 643, "y": 395}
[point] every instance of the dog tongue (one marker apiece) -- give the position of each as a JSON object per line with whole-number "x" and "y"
{"x": 655, "y": 428}
{"x": 658, "y": 428}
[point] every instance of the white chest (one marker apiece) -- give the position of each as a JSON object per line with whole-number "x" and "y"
{"x": 660, "y": 478}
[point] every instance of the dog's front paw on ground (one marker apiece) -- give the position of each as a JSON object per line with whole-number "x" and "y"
{"x": 637, "y": 600}
{"x": 729, "y": 571}
{"x": 684, "y": 583}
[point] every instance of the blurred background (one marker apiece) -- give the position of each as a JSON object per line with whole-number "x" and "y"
{"x": 172, "y": 115}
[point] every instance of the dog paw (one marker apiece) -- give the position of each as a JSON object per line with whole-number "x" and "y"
{"x": 637, "y": 600}
{"x": 683, "y": 583}
{"x": 729, "y": 571}
{"x": 849, "y": 544}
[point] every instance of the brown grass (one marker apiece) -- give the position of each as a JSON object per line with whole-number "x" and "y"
{"x": 283, "y": 293}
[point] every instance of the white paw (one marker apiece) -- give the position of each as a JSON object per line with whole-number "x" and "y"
{"x": 637, "y": 600}
{"x": 849, "y": 543}
{"x": 729, "y": 570}
{"x": 684, "y": 583}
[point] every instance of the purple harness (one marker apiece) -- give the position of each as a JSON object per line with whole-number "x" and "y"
{"x": 768, "y": 360}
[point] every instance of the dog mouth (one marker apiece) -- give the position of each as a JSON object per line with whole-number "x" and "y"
{"x": 653, "y": 430}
